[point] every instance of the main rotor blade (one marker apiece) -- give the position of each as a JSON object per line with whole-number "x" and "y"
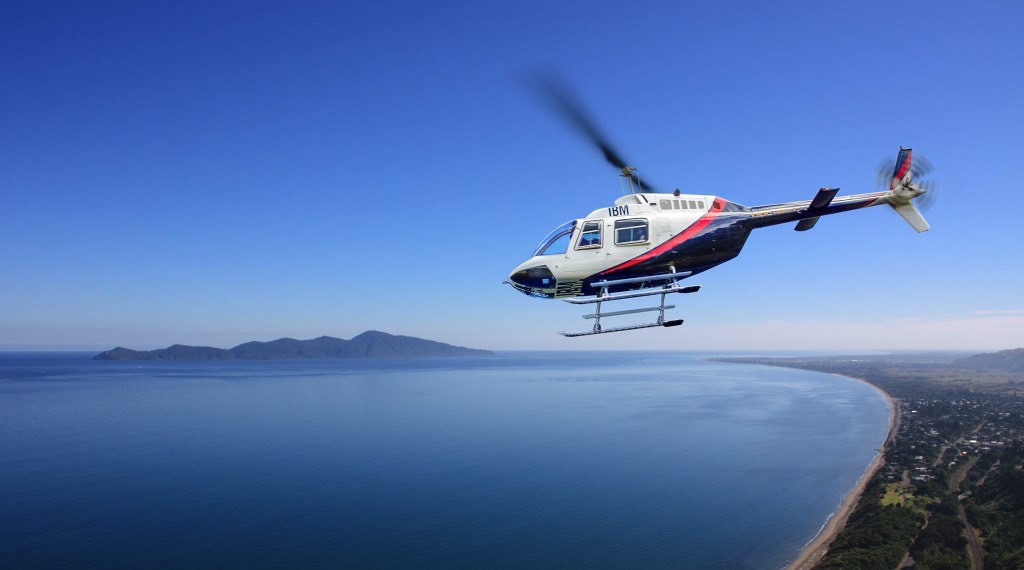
{"x": 562, "y": 100}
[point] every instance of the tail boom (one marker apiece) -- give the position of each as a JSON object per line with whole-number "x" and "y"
{"x": 901, "y": 191}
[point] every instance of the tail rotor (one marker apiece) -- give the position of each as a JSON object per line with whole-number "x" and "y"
{"x": 904, "y": 189}
{"x": 906, "y": 177}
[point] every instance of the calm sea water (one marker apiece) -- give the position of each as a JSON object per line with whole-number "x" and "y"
{"x": 519, "y": 460}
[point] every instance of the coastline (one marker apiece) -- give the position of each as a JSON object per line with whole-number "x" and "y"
{"x": 815, "y": 550}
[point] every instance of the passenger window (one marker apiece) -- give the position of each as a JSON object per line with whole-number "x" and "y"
{"x": 665, "y": 204}
{"x": 590, "y": 235}
{"x": 676, "y": 203}
{"x": 700, "y": 205}
{"x": 630, "y": 231}
{"x": 693, "y": 205}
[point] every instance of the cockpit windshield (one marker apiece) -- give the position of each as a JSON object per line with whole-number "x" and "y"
{"x": 557, "y": 241}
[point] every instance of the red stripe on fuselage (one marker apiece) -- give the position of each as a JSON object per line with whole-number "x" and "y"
{"x": 694, "y": 229}
{"x": 872, "y": 201}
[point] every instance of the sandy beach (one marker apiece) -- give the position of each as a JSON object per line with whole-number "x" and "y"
{"x": 818, "y": 546}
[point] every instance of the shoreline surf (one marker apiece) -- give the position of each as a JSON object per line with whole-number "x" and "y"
{"x": 815, "y": 550}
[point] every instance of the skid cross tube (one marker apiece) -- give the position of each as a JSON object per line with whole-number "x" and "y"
{"x": 628, "y": 312}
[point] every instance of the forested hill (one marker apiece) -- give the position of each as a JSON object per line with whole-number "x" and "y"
{"x": 370, "y": 344}
{"x": 1005, "y": 360}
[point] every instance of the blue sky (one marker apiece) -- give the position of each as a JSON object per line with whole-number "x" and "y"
{"x": 213, "y": 173}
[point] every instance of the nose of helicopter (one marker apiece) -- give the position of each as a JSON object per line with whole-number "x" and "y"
{"x": 537, "y": 280}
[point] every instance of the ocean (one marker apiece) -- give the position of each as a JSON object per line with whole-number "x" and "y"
{"x": 524, "y": 459}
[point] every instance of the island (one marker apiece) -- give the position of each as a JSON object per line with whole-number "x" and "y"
{"x": 370, "y": 344}
{"x": 947, "y": 488}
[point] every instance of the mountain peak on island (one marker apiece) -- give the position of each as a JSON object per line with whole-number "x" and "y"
{"x": 370, "y": 334}
{"x": 370, "y": 344}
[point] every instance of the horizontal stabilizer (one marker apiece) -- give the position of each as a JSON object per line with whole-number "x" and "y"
{"x": 806, "y": 224}
{"x": 821, "y": 201}
{"x": 913, "y": 217}
{"x": 823, "y": 198}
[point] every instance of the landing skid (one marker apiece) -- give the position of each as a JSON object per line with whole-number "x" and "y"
{"x": 603, "y": 296}
{"x": 674, "y": 323}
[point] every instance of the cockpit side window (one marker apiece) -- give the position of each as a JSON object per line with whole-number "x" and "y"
{"x": 557, "y": 241}
{"x": 590, "y": 236}
{"x": 630, "y": 232}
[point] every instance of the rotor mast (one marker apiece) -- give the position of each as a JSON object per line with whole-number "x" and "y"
{"x": 630, "y": 180}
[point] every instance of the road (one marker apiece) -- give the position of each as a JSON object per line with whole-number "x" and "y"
{"x": 973, "y": 546}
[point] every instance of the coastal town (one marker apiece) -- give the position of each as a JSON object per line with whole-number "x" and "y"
{"x": 938, "y": 439}
{"x": 947, "y": 489}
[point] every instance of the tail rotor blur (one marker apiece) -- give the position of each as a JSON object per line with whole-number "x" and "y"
{"x": 911, "y": 174}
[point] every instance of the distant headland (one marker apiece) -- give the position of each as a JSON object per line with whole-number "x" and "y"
{"x": 370, "y": 344}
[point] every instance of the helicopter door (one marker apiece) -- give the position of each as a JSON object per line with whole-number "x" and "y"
{"x": 590, "y": 235}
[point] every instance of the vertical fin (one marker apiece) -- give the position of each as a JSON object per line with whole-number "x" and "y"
{"x": 902, "y": 170}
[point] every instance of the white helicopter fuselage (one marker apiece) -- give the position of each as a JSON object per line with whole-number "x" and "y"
{"x": 616, "y": 238}
{"x": 666, "y": 215}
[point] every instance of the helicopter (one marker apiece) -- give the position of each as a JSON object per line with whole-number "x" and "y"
{"x": 646, "y": 243}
